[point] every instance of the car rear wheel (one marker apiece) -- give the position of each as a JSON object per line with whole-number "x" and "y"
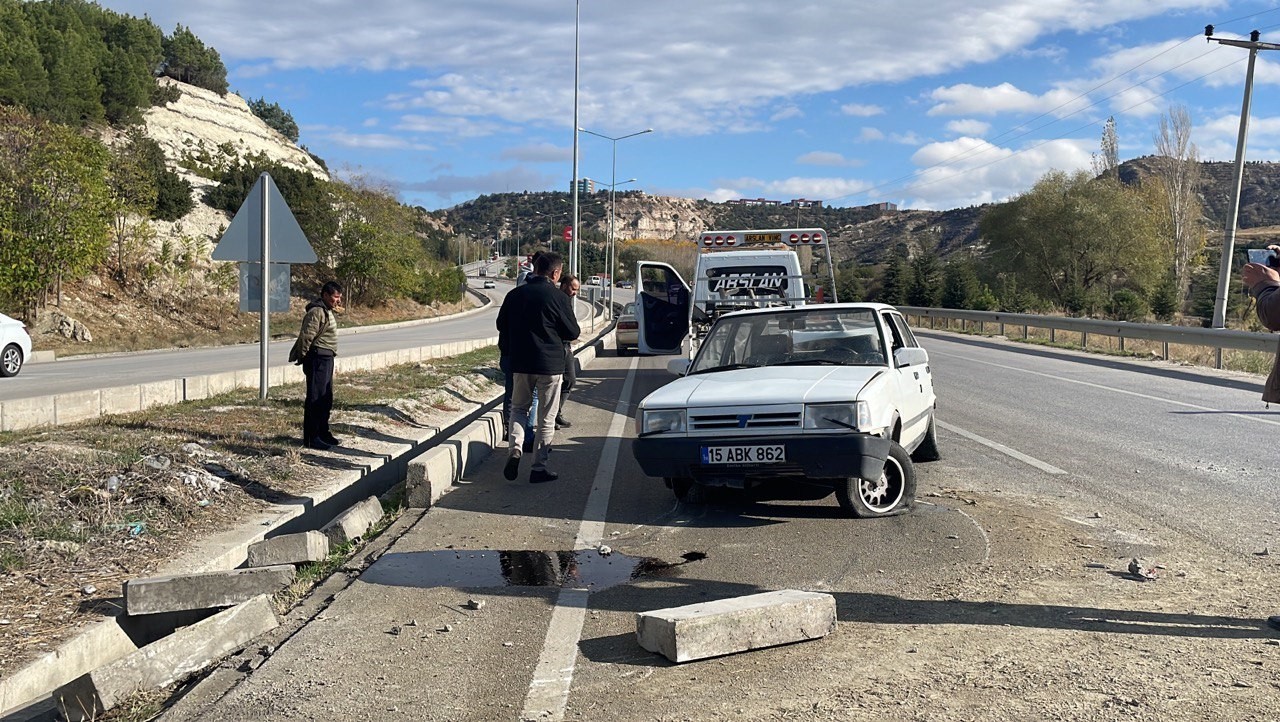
{"x": 928, "y": 448}
{"x": 893, "y": 493}
{"x": 10, "y": 360}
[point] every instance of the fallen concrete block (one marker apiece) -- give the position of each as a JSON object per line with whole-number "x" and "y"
{"x": 429, "y": 475}
{"x": 206, "y": 590}
{"x": 165, "y": 661}
{"x": 354, "y": 522}
{"x": 725, "y": 626}
{"x": 307, "y": 546}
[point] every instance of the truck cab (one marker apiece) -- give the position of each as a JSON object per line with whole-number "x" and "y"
{"x": 734, "y": 270}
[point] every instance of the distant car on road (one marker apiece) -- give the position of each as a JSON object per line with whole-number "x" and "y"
{"x": 15, "y": 345}
{"x": 488, "y": 283}
{"x": 625, "y": 335}
{"x": 825, "y": 397}
{"x": 624, "y": 284}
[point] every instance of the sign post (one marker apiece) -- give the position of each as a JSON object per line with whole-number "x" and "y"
{"x": 262, "y": 231}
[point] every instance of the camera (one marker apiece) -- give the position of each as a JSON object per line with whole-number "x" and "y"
{"x": 1264, "y": 256}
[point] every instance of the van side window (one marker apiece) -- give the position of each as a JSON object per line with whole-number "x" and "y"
{"x": 904, "y": 331}
{"x": 895, "y": 333}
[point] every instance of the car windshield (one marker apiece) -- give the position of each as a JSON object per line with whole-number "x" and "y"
{"x": 820, "y": 336}
{"x": 629, "y": 309}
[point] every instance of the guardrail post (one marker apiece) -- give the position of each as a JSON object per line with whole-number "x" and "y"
{"x": 1026, "y": 332}
{"x": 1166, "y": 350}
{"x": 1121, "y": 344}
{"x": 982, "y": 327}
{"x": 1084, "y": 339}
{"x": 1001, "y": 328}
{"x": 1217, "y": 357}
{"x": 1053, "y": 335}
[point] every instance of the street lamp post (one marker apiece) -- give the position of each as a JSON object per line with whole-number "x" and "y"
{"x": 573, "y": 248}
{"x": 611, "y": 252}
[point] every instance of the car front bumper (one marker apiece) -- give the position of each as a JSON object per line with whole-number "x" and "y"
{"x": 826, "y": 456}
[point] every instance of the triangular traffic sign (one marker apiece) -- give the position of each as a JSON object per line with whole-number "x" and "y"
{"x": 243, "y": 239}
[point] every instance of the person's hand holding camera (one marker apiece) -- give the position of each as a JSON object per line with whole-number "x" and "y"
{"x": 1255, "y": 273}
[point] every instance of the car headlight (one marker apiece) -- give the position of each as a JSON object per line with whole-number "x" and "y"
{"x": 657, "y": 421}
{"x": 855, "y": 416}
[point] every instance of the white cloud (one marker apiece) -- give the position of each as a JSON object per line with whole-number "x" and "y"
{"x": 373, "y": 141}
{"x": 859, "y": 110}
{"x": 870, "y": 134}
{"x": 970, "y": 171}
{"x": 448, "y": 125}
{"x": 969, "y": 126}
{"x": 966, "y": 99}
{"x": 450, "y": 187}
{"x": 791, "y": 111}
{"x": 370, "y": 122}
{"x": 823, "y": 157}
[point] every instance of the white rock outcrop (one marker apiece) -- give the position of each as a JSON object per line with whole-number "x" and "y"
{"x": 203, "y": 120}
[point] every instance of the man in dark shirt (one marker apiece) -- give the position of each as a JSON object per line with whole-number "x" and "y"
{"x": 535, "y": 322}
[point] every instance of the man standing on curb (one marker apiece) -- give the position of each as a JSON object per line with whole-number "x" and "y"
{"x": 570, "y": 285}
{"x": 315, "y": 348}
{"x": 535, "y": 322}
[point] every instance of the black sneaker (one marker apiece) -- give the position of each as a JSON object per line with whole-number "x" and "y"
{"x": 562, "y": 422}
{"x": 539, "y": 476}
{"x": 527, "y": 447}
{"x": 512, "y": 469}
{"x": 319, "y": 444}
{"x": 330, "y": 439}
{"x": 1274, "y": 622}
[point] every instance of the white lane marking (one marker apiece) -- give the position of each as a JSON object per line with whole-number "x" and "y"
{"x": 1114, "y": 389}
{"x": 1041, "y": 465}
{"x": 549, "y": 691}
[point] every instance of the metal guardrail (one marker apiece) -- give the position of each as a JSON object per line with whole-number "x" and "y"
{"x": 1215, "y": 338}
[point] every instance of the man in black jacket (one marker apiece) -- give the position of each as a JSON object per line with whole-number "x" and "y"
{"x": 534, "y": 323}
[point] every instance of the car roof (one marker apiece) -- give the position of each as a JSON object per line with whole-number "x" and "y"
{"x": 858, "y": 306}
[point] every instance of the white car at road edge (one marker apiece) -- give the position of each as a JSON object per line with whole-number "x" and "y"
{"x": 15, "y": 345}
{"x": 826, "y": 396}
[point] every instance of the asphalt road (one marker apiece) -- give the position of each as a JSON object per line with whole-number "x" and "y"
{"x": 81, "y": 374}
{"x": 1089, "y": 437}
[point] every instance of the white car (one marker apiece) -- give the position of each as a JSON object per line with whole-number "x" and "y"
{"x": 624, "y": 336}
{"x": 826, "y": 396}
{"x": 488, "y": 283}
{"x": 15, "y": 345}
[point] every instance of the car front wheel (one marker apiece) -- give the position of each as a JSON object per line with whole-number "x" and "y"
{"x": 893, "y": 493}
{"x": 928, "y": 448}
{"x": 10, "y": 360}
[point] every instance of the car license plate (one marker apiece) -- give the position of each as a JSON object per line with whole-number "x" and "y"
{"x": 763, "y": 454}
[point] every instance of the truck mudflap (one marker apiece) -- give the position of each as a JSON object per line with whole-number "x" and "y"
{"x": 815, "y": 457}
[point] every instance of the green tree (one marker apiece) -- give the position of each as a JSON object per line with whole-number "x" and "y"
{"x": 23, "y": 80}
{"x": 310, "y": 199}
{"x": 70, "y": 53}
{"x": 959, "y": 285}
{"x": 926, "y": 280}
{"x": 53, "y": 207}
{"x": 1077, "y": 238}
{"x": 187, "y": 59}
{"x": 132, "y": 188}
{"x": 895, "y": 278}
{"x": 275, "y": 117}
{"x": 849, "y": 286}
{"x": 133, "y": 50}
{"x": 377, "y": 254}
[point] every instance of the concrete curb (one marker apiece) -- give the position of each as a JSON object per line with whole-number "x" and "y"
{"x": 470, "y": 436}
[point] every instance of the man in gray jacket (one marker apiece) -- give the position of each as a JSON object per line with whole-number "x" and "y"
{"x": 315, "y": 348}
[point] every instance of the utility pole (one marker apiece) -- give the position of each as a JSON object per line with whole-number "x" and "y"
{"x": 1233, "y": 215}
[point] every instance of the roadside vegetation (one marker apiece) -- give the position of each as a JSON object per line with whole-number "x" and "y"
{"x": 85, "y": 507}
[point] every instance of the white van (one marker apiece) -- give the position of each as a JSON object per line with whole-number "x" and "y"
{"x": 735, "y": 270}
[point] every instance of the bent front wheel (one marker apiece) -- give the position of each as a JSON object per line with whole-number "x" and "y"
{"x": 893, "y": 493}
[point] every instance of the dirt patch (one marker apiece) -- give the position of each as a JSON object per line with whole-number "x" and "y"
{"x": 84, "y": 508}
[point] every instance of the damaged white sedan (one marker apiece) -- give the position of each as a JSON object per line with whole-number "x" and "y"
{"x": 829, "y": 396}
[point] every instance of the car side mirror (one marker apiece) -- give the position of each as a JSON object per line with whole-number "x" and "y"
{"x": 679, "y": 366}
{"x": 913, "y": 356}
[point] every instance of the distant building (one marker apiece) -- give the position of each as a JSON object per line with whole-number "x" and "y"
{"x": 586, "y": 186}
{"x": 885, "y": 206}
{"x": 804, "y": 203}
{"x": 754, "y": 202}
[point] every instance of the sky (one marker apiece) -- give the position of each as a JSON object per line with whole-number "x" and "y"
{"x": 929, "y": 104}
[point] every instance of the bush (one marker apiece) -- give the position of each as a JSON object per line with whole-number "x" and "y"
{"x": 1128, "y": 305}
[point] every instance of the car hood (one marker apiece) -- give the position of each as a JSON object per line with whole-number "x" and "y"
{"x": 768, "y": 385}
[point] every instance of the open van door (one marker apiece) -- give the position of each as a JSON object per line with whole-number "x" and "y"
{"x": 662, "y": 308}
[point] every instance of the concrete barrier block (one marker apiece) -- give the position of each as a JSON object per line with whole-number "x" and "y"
{"x": 121, "y": 400}
{"x": 478, "y": 440}
{"x": 160, "y": 393}
{"x": 28, "y": 413}
{"x": 195, "y": 388}
{"x": 220, "y": 383}
{"x": 206, "y": 590}
{"x": 429, "y": 475}
{"x": 98, "y": 644}
{"x": 308, "y": 546}
{"x": 163, "y": 662}
{"x": 77, "y": 406}
{"x": 354, "y": 522}
{"x": 725, "y": 626}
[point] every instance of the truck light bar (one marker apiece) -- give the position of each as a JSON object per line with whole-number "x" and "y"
{"x": 791, "y": 237}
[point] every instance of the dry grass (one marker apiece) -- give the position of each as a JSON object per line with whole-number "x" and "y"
{"x": 84, "y": 508}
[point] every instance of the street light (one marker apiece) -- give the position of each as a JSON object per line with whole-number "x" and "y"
{"x": 610, "y": 261}
{"x": 611, "y": 252}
